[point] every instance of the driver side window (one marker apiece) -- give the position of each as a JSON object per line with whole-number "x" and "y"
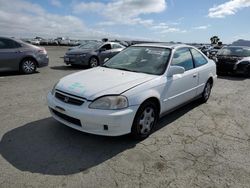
{"x": 182, "y": 57}
{"x": 106, "y": 47}
{"x": 8, "y": 44}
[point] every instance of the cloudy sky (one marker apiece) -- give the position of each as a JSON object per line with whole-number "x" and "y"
{"x": 159, "y": 20}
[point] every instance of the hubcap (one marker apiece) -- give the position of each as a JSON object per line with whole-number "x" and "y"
{"x": 207, "y": 91}
{"x": 147, "y": 120}
{"x": 93, "y": 62}
{"x": 28, "y": 66}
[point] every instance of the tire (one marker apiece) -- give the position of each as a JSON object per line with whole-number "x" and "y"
{"x": 247, "y": 72}
{"x": 145, "y": 120}
{"x": 206, "y": 92}
{"x": 28, "y": 66}
{"x": 93, "y": 62}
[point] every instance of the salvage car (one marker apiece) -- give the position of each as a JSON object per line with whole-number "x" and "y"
{"x": 16, "y": 55}
{"x": 233, "y": 59}
{"x": 132, "y": 90}
{"x": 92, "y": 54}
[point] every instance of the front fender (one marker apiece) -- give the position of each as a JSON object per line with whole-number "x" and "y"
{"x": 140, "y": 98}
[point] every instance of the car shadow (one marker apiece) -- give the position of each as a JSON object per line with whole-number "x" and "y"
{"x": 49, "y": 147}
{"x": 68, "y": 68}
{"x": 171, "y": 117}
{"x": 14, "y": 73}
{"x": 233, "y": 77}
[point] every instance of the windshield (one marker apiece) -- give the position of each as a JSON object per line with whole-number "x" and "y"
{"x": 90, "y": 45}
{"x": 235, "y": 51}
{"x": 151, "y": 60}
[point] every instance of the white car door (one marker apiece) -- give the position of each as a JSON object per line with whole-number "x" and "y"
{"x": 181, "y": 88}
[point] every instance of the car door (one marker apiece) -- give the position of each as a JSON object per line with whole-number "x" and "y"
{"x": 204, "y": 70}
{"x": 105, "y": 52}
{"x": 181, "y": 88}
{"x": 9, "y": 54}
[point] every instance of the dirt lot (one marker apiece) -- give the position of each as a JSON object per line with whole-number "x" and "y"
{"x": 196, "y": 146}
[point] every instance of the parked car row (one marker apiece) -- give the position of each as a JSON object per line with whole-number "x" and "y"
{"x": 53, "y": 42}
{"x": 133, "y": 88}
{"x": 18, "y": 55}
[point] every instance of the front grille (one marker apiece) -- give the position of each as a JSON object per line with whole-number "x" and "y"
{"x": 67, "y": 118}
{"x": 68, "y": 99}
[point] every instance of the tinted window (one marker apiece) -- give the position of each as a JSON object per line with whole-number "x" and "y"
{"x": 8, "y": 44}
{"x": 182, "y": 57}
{"x": 199, "y": 59}
{"x": 106, "y": 46}
{"x": 235, "y": 51}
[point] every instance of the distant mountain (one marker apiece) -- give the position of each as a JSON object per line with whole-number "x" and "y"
{"x": 241, "y": 42}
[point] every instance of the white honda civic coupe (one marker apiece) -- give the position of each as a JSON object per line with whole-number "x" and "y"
{"x": 132, "y": 90}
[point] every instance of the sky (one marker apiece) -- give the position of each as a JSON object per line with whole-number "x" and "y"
{"x": 156, "y": 20}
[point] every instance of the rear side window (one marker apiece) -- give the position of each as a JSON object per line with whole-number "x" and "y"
{"x": 199, "y": 59}
{"x": 182, "y": 57}
{"x": 114, "y": 46}
{"x": 8, "y": 44}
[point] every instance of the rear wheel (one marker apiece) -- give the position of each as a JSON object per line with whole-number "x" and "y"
{"x": 93, "y": 62}
{"x": 206, "y": 92}
{"x": 28, "y": 66}
{"x": 145, "y": 120}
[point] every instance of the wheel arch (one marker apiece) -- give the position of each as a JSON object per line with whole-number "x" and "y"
{"x": 95, "y": 56}
{"x": 26, "y": 58}
{"x": 156, "y": 101}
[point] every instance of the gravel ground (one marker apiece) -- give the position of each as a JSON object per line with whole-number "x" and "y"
{"x": 196, "y": 146}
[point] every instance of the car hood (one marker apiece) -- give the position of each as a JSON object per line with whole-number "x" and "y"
{"x": 78, "y": 51}
{"x": 246, "y": 59}
{"x": 100, "y": 81}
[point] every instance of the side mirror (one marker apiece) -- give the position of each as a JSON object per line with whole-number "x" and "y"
{"x": 106, "y": 59}
{"x": 175, "y": 70}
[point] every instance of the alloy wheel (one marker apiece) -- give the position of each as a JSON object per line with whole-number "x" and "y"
{"x": 147, "y": 120}
{"x": 28, "y": 66}
{"x": 93, "y": 62}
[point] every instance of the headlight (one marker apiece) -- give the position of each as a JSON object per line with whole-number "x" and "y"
{"x": 54, "y": 88}
{"x": 110, "y": 103}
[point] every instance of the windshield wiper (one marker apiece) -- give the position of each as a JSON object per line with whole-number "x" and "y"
{"x": 126, "y": 69}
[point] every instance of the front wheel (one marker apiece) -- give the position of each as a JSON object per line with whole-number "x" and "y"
{"x": 93, "y": 62}
{"x": 206, "y": 92}
{"x": 28, "y": 66}
{"x": 145, "y": 120}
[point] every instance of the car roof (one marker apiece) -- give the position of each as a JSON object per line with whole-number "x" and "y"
{"x": 163, "y": 45}
{"x": 11, "y": 38}
{"x": 111, "y": 43}
{"x": 232, "y": 46}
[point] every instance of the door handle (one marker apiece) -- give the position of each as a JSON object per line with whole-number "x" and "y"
{"x": 194, "y": 75}
{"x": 18, "y": 51}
